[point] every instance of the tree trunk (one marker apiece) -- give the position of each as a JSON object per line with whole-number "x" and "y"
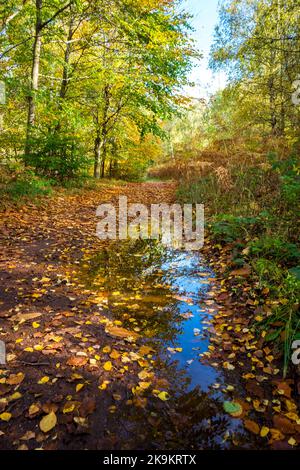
{"x": 103, "y": 157}
{"x": 97, "y": 154}
{"x": 273, "y": 117}
{"x": 65, "y": 79}
{"x": 34, "y": 85}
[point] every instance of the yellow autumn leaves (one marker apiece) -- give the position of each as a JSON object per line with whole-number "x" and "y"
{"x": 48, "y": 422}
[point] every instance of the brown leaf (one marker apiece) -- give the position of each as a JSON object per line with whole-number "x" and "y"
{"x": 25, "y": 316}
{"x": 254, "y": 389}
{"x": 15, "y": 379}
{"x": 87, "y": 407}
{"x": 283, "y": 424}
{"x": 119, "y": 332}
{"x": 283, "y": 388}
{"x": 48, "y": 407}
{"x": 245, "y": 271}
{"x": 251, "y": 426}
{"x": 27, "y": 436}
{"x": 77, "y": 361}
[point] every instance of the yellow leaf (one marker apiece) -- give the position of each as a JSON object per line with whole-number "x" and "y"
{"x": 35, "y": 324}
{"x": 106, "y": 349}
{"x": 292, "y": 416}
{"x": 164, "y": 396}
{"x": 104, "y": 384}
{"x": 33, "y": 409}
{"x": 79, "y": 387}
{"x": 144, "y": 374}
{"x": 48, "y": 422}
{"x": 292, "y": 441}
{"x": 68, "y": 408}
{"x": 114, "y": 354}
{"x": 264, "y": 431}
{"x": 5, "y": 416}
{"x": 144, "y": 385}
{"x": 15, "y": 396}
{"x": 43, "y": 380}
{"x": 290, "y": 405}
{"x": 248, "y": 376}
{"x": 107, "y": 366}
{"x": 76, "y": 376}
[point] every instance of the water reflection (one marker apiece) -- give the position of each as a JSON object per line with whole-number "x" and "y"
{"x": 161, "y": 294}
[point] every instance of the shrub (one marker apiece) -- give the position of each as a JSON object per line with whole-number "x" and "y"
{"x": 275, "y": 248}
{"x": 227, "y": 228}
{"x": 28, "y": 185}
{"x": 57, "y": 156}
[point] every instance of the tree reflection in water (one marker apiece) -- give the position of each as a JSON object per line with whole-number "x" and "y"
{"x": 151, "y": 289}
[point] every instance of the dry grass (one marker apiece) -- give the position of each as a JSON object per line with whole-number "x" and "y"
{"x": 220, "y": 159}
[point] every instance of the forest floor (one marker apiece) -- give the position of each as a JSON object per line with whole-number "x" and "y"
{"x": 77, "y": 377}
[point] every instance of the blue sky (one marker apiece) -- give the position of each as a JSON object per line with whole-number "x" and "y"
{"x": 205, "y": 17}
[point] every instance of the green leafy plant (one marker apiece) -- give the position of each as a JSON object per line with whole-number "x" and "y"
{"x": 28, "y": 185}
{"x": 57, "y": 156}
{"x": 275, "y": 248}
{"x": 227, "y": 228}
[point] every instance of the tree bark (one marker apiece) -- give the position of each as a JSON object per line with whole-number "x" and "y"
{"x": 34, "y": 84}
{"x": 36, "y": 55}
{"x": 65, "y": 78}
{"x": 97, "y": 154}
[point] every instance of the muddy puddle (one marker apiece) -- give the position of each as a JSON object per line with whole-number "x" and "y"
{"x": 166, "y": 296}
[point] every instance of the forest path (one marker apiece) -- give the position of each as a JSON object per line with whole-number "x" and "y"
{"x": 108, "y": 343}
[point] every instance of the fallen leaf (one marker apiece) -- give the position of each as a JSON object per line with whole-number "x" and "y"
{"x": 119, "y": 332}
{"x": 164, "y": 396}
{"x": 34, "y": 409}
{"x": 251, "y": 426}
{"x": 79, "y": 387}
{"x": 264, "y": 431}
{"x": 15, "y": 379}
{"x": 48, "y": 422}
{"x": 27, "y": 436}
{"x": 233, "y": 408}
{"x": 5, "y": 416}
{"x": 77, "y": 361}
{"x": 107, "y": 366}
{"x": 43, "y": 380}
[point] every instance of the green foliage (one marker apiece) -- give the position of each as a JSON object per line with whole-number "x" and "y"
{"x": 261, "y": 210}
{"x": 269, "y": 273}
{"x": 57, "y": 156}
{"x": 284, "y": 321}
{"x": 227, "y": 228}
{"x": 27, "y": 185}
{"x": 276, "y": 249}
{"x": 80, "y": 182}
{"x": 290, "y": 189}
{"x": 295, "y": 272}
{"x": 108, "y": 74}
{"x": 257, "y": 43}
